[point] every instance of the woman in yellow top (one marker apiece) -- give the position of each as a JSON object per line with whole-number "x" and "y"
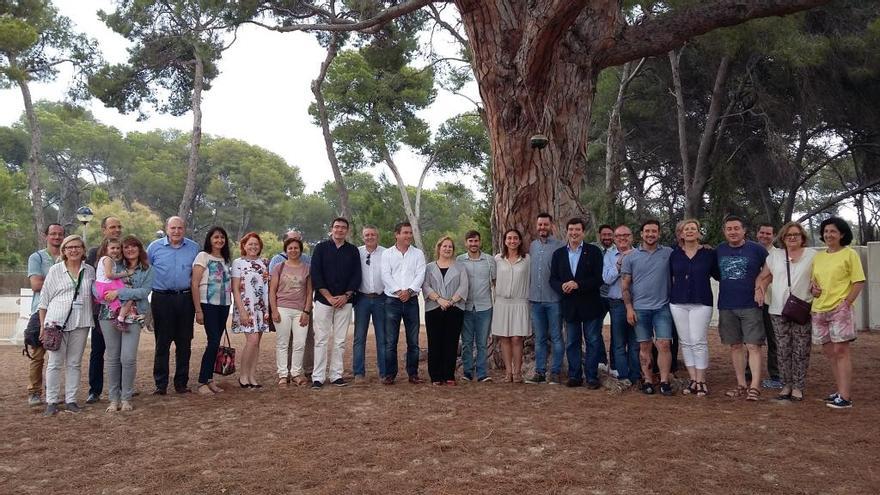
{"x": 838, "y": 279}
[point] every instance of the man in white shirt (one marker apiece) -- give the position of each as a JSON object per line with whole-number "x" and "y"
{"x": 403, "y": 271}
{"x": 369, "y": 302}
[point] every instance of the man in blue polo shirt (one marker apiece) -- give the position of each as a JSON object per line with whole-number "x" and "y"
{"x": 645, "y": 290}
{"x": 173, "y": 312}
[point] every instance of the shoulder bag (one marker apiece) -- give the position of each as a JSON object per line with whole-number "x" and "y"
{"x": 52, "y": 333}
{"x": 796, "y": 309}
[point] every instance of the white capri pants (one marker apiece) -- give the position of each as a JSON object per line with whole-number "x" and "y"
{"x": 692, "y": 324}
{"x": 290, "y": 324}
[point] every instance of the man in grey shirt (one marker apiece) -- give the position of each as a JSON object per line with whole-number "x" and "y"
{"x": 645, "y": 290}
{"x": 544, "y": 304}
{"x": 480, "y": 268}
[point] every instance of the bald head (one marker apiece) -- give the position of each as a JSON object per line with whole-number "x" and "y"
{"x": 174, "y": 229}
{"x": 111, "y": 228}
{"x": 293, "y": 234}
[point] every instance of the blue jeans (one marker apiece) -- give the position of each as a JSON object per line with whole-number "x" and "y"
{"x": 215, "y": 324}
{"x": 624, "y": 345}
{"x": 591, "y": 331}
{"x": 395, "y": 311}
{"x": 547, "y": 325}
{"x": 475, "y": 334}
{"x": 364, "y": 308}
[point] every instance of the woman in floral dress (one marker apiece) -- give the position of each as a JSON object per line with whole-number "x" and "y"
{"x": 250, "y": 290}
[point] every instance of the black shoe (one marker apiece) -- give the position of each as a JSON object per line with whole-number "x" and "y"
{"x": 316, "y": 385}
{"x": 648, "y": 388}
{"x": 72, "y": 407}
{"x": 467, "y": 377}
{"x": 572, "y": 382}
{"x": 93, "y": 398}
{"x": 135, "y": 393}
{"x": 160, "y": 391}
{"x": 339, "y": 382}
{"x": 183, "y": 390}
{"x": 537, "y": 378}
{"x": 665, "y": 389}
{"x": 51, "y": 410}
{"x": 388, "y": 380}
{"x": 593, "y": 384}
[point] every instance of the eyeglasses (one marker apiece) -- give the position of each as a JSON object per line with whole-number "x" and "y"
{"x": 623, "y": 235}
{"x": 74, "y": 247}
{"x": 368, "y": 258}
{"x": 792, "y": 236}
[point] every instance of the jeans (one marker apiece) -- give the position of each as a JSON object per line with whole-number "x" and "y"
{"x": 96, "y": 361}
{"x": 287, "y": 362}
{"x": 624, "y": 345}
{"x": 395, "y": 311}
{"x": 443, "y": 328}
{"x": 122, "y": 348}
{"x": 215, "y": 323}
{"x": 591, "y": 331}
{"x": 475, "y": 337}
{"x": 547, "y": 325}
{"x": 173, "y": 322}
{"x": 607, "y": 358}
{"x": 365, "y": 308}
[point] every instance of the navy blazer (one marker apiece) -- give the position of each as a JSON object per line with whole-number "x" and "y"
{"x": 584, "y": 303}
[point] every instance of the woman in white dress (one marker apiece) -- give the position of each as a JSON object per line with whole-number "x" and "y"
{"x": 510, "y": 315}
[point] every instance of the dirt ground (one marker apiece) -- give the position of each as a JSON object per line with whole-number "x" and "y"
{"x": 473, "y": 438}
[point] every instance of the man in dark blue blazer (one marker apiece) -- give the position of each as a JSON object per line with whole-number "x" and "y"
{"x": 576, "y": 274}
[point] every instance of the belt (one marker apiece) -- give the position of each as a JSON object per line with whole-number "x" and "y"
{"x": 172, "y": 292}
{"x": 370, "y": 295}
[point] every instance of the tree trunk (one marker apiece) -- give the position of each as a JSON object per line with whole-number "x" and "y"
{"x": 425, "y": 170}
{"x": 184, "y": 211}
{"x": 317, "y": 86}
{"x": 33, "y": 159}
{"x": 404, "y": 196}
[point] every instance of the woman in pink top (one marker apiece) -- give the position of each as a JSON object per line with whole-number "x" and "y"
{"x": 290, "y": 295}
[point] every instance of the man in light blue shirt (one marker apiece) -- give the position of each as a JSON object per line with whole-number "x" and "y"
{"x": 38, "y": 267}
{"x": 624, "y": 345}
{"x": 481, "y": 271}
{"x": 171, "y": 258}
{"x": 544, "y": 304}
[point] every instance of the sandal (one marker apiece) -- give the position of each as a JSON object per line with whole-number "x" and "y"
{"x": 282, "y": 382}
{"x": 736, "y": 393}
{"x": 784, "y": 396}
{"x": 702, "y": 391}
{"x": 797, "y": 398}
{"x": 753, "y": 394}
{"x": 690, "y": 389}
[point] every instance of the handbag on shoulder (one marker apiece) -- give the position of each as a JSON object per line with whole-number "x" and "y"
{"x": 53, "y": 332}
{"x": 796, "y": 309}
{"x": 225, "y": 362}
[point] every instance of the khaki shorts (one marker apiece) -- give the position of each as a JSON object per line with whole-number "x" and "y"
{"x": 738, "y": 326}
{"x": 834, "y": 326}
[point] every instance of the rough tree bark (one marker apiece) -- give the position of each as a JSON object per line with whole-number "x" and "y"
{"x": 33, "y": 159}
{"x": 189, "y": 192}
{"x": 317, "y": 86}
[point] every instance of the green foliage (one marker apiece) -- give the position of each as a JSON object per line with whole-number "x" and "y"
{"x": 16, "y": 239}
{"x": 461, "y": 142}
{"x": 35, "y": 40}
{"x": 137, "y": 220}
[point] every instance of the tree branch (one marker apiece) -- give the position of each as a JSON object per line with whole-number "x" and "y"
{"x": 337, "y": 24}
{"x": 836, "y": 199}
{"x": 664, "y": 32}
{"x": 552, "y": 19}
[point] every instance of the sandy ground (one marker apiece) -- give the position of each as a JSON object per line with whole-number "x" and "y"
{"x": 478, "y": 438}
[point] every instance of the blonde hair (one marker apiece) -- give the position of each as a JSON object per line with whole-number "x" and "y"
{"x": 780, "y": 237}
{"x": 67, "y": 240}
{"x": 679, "y": 229}
{"x": 439, "y": 243}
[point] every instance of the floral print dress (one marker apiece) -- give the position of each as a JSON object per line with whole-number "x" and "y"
{"x": 254, "y": 292}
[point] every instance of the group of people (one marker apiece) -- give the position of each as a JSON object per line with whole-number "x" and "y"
{"x": 658, "y": 298}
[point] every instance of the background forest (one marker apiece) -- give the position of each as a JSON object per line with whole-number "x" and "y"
{"x": 775, "y": 119}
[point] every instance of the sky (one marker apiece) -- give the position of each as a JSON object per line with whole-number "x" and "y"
{"x": 261, "y": 96}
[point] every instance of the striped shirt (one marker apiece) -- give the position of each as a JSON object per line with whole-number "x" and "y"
{"x": 57, "y": 296}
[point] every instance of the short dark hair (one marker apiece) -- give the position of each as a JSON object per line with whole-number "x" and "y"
{"x": 846, "y": 232}
{"x": 766, "y": 224}
{"x": 470, "y": 234}
{"x": 650, "y": 221}
{"x": 605, "y": 226}
{"x": 544, "y": 214}
{"x": 576, "y": 220}
{"x": 401, "y": 225}
{"x": 46, "y": 230}
{"x": 291, "y": 240}
{"x": 734, "y": 218}
{"x": 340, "y": 219}
{"x": 224, "y": 251}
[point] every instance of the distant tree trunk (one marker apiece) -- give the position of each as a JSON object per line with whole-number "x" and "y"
{"x": 420, "y": 187}
{"x": 33, "y": 159}
{"x": 404, "y": 196}
{"x": 615, "y": 152}
{"x": 189, "y": 191}
{"x": 696, "y": 174}
{"x": 317, "y": 86}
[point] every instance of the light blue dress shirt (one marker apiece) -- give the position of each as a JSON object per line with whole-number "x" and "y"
{"x": 172, "y": 266}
